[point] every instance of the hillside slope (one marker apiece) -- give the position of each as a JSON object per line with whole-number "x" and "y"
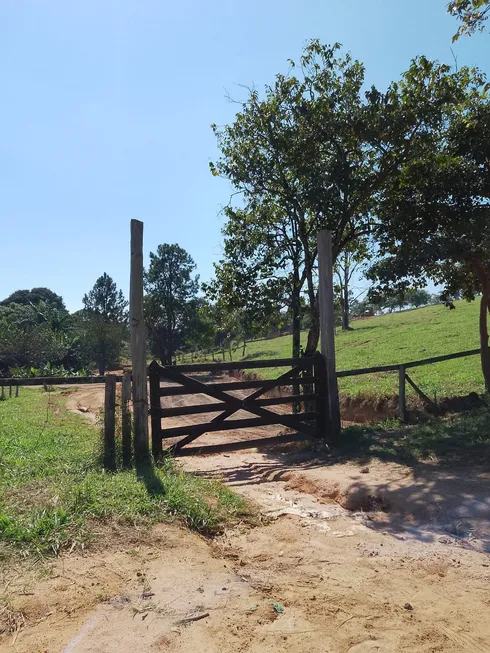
{"x": 398, "y": 338}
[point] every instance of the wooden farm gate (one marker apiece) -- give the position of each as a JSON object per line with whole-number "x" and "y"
{"x": 306, "y": 376}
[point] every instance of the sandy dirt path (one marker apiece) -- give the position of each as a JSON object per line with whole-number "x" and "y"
{"x": 350, "y": 559}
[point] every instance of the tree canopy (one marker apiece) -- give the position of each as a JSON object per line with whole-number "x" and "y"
{"x": 318, "y": 151}
{"x": 35, "y": 296}
{"x": 436, "y": 214}
{"x": 106, "y": 301}
{"x": 473, "y": 15}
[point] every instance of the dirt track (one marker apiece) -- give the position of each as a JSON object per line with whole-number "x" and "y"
{"x": 328, "y": 572}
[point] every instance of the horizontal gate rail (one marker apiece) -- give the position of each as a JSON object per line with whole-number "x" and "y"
{"x": 244, "y": 444}
{"x": 171, "y": 391}
{"x": 179, "y": 411}
{"x": 287, "y": 420}
{"x": 303, "y": 363}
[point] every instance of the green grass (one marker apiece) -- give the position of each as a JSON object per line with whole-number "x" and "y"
{"x": 54, "y": 495}
{"x": 461, "y": 439}
{"x": 398, "y": 338}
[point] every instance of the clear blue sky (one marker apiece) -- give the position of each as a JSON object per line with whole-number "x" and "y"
{"x": 106, "y": 107}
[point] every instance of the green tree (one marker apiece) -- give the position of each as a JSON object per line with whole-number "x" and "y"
{"x": 106, "y": 301}
{"x": 317, "y": 151}
{"x": 103, "y": 323}
{"x": 473, "y": 15}
{"x": 200, "y": 332}
{"x": 171, "y": 288}
{"x": 348, "y": 263}
{"x": 35, "y": 296}
{"x": 436, "y": 217}
{"x": 418, "y": 297}
{"x": 25, "y": 342}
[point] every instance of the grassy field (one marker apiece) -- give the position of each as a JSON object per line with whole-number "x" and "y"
{"x": 398, "y": 338}
{"x": 54, "y": 495}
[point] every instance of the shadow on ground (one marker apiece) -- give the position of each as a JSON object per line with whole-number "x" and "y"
{"x": 423, "y": 482}
{"x": 145, "y": 473}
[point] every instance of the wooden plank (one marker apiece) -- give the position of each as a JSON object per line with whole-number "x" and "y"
{"x": 155, "y": 410}
{"x": 138, "y": 344}
{"x": 440, "y": 359}
{"x": 57, "y": 380}
{"x": 402, "y": 405}
{"x": 303, "y": 363}
{"x": 223, "y": 416}
{"x": 246, "y": 444}
{"x": 126, "y": 420}
{"x": 179, "y": 411}
{"x": 395, "y": 367}
{"x": 422, "y": 395}
{"x": 288, "y": 399}
{"x": 367, "y": 370}
{"x": 291, "y": 421}
{"x": 110, "y": 424}
{"x": 327, "y": 326}
{"x": 266, "y": 385}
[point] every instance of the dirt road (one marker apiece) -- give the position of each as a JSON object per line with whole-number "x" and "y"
{"x": 350, "y": 559}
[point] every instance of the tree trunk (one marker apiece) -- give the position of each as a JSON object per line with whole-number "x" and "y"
{"x": 296, "y": 310}
{"x": 101, "y": 365}
{"x": 244, "y": 348}
{"x": 314, "y": 332}
{"x": 485, "y": 349}
{"x": 345, "y": 300}
{"x": 296, "y": 326}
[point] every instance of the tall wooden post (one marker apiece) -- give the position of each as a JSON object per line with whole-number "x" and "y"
{"x": 126, "y": 420}
{"x": 327, "y": 326}
{"x": 110, "y": 423}
{"x": 138, "y": 344}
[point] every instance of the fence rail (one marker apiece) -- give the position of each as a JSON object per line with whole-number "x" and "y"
{"x": 394, "y": 368}
{"x": 58, "y": 380}
{"x": 300, "y": 364}
{"x": 239, "y": 365}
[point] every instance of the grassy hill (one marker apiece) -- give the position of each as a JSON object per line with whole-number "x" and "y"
{"x": 398, "y": 338}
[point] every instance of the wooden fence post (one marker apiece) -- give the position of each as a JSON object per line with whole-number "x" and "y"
{"x": 321, "y": 391}
{"x": 327, "y": 326}
{"x": 10, "y": 391}
{"x": 3, "y": 392}
{"x": 110, "y": 423}
{"x": 126, "y": 420}
{"x": 16, "y": 390}
{"x": 155, "y": 405}
{"x": 138, "y": 345}
{"x": 402, "y": 406}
